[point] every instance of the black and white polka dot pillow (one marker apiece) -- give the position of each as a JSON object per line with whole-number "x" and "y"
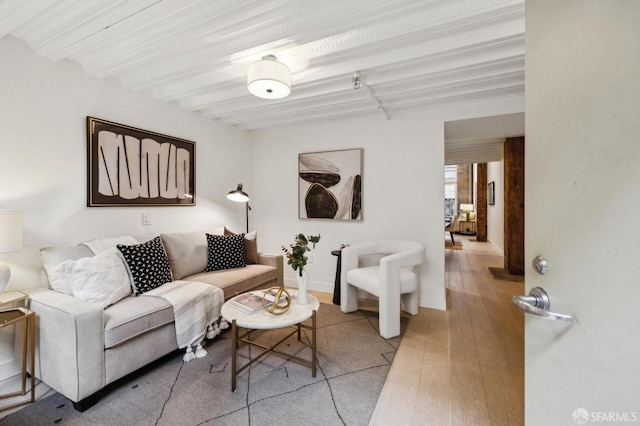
{"x": 225, "y": 252}
{"x": 148, "y": 263}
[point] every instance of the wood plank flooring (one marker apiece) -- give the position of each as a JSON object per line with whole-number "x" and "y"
{"x": 463, "y": 366}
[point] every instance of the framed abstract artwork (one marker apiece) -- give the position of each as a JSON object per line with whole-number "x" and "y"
{"x": 127, "y": 166}
{"x": 492, "y": 193}
{"x": 330, "y": 185}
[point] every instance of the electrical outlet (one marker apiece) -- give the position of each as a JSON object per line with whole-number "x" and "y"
{"x": 146, "y": 219}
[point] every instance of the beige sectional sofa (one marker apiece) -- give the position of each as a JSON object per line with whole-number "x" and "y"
{"x": 82, "y": 347}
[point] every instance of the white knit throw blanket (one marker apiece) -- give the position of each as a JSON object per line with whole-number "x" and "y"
{"x": 196, "y": 305}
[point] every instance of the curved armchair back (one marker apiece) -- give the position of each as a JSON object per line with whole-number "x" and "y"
{"x": 394, "y": 252}
{"x": 453, "y": 226}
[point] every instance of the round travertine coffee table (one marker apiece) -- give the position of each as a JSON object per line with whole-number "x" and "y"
{"x": 262, "y": 320}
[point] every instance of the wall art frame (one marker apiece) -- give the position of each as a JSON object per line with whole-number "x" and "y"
{"x": 129, "y": 167}
{"x": 330, "y": 184}
{"x": 492, "y": 193}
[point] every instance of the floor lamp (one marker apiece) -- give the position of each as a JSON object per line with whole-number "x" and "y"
{"x": 240, "y": 196}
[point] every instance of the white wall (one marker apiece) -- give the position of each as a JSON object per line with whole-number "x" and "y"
{"x": 43, "y": 111}
{"x": 495, "y": 213}
{"x": 403, "y": 187}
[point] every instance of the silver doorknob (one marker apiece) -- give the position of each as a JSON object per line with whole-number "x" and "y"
{"x": 537, "y": 303}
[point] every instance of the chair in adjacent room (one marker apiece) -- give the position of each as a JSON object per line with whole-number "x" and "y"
{"x": 452, "y": 227}
{"x": 392, "y": 279}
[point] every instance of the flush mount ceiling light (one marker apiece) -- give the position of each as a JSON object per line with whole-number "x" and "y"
{"x": 268, "y": 78}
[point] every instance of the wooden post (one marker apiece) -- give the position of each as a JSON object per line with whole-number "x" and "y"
{"x": 481, "y": 205}
{"x": 514, "y": 205}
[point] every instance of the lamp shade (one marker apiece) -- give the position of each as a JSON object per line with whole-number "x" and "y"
{"x": 466, "y": 207}
{"x": 10, "y": 230}
{"x": 238, "y": 195}
{"x": 268, "y": 78}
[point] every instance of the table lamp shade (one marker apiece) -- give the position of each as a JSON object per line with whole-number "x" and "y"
{"x": 10, "y": 230}
{"x": 10, "y": 240}
{"x": 466, "y": 207}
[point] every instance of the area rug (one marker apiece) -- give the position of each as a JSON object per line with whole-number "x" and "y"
{"x": 353, "y": 362}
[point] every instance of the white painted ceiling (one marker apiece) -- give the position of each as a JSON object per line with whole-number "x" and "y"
{"x": 413, "y": 55}
{"x": 480, "y": 140}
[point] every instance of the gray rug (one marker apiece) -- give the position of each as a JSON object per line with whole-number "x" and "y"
{"x": 353, "y": 362}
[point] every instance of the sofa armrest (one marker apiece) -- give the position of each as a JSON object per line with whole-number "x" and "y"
{"x": 69, "y": 343}
{"x": 276, "y": 261}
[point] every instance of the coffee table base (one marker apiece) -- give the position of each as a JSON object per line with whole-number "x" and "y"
{"x": 235, "y": 341}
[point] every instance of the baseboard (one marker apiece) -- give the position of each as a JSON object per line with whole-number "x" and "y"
{"x": 9, "y": 368}
{"x": 498, "y": 247}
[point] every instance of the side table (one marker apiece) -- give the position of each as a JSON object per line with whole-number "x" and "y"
{"x": 11, "y": 299}
{"x": 467, "y": 227}
{"x": 262, "y": 320}
{"x": 336, "y": 285}
{"x": 11, "y": 317}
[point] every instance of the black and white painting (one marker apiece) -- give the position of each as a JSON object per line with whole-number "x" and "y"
{"x": 134, "y": 167}
{"x": 330, "y": 185}
{"x": 492, "y": 193}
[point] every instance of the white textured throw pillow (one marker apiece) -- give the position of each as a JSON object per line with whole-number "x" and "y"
{"x": 101, "y": 279}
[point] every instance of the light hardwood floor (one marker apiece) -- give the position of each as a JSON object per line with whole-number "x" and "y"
{"x": 463, "y": 366}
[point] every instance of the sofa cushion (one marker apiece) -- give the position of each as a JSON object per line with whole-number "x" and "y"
{"x": 187, "y": 251}
{"x": 54, "y": 256}
{"x": 225, "y": 252}
{"x": 98, "y": 245}
{"x": 238, "y": 280}
{"x": 102, "y": 279}
{"x": 250, "y": 246}
{"x": 148, "y": 265}
{"x": 134, "y": 316}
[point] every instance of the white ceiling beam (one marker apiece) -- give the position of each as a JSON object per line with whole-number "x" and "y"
{"x": 216, "y": 105}
{"x": 325, "y": 115}
{"x": 322, "y": 53}
{"x": 111, "y": 26}
{"x": 68, "y": 16}
{"x": 15, "y": 13}
{"x": 425, "y": 21}
{"x": 434, "y": 47}
{"x": 221, "y": 37}
{"x": 150, "y": 31}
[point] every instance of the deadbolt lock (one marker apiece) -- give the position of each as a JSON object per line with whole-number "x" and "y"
{"x": 540, "y": 265}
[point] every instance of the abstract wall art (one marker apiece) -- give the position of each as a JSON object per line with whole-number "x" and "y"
{"x": 133, "y": 167}
{"x": 330, "y": 185}
{"x": 492, "y": 193}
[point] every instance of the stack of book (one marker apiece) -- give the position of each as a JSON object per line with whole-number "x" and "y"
{"x": 251, "y": 302}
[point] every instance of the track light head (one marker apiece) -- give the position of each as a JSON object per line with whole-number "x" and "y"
{"x": 357, "y": 81}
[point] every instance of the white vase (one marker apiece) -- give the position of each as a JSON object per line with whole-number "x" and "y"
{"x": 303, "y": 286}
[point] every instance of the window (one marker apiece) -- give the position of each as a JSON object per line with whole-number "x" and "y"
{"x": 450, "y": 190}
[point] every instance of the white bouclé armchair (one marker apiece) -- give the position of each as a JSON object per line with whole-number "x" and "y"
{"x": 393, "y": 280}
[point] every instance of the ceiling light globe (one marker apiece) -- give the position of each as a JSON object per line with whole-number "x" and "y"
{"x": 269, "y": 79}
